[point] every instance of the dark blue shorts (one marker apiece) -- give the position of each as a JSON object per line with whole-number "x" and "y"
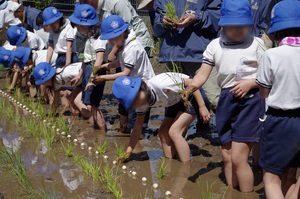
{"x": 238, "y": 119}
{"x": 280, "y": 146}
{"x": 61, "y": 60}
{"x": 94, "y": 94}
{"x": 172, "y": 111}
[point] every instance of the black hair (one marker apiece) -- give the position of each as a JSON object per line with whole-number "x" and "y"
{"x": 148, "y": 92}
{"x": 39, "y": 19}
{"x": 62, "y": 21}
{"x": 295, "y": 32}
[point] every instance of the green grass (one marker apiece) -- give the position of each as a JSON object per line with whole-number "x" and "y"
{"x": 69, "y": 149}
{"x": 102, "y": 148}
{"x": 161, "y": 173}
{"x": 120, "y": 153}
{"x": 60, "y": 123}
{"x": 111, "y": 181}
{"x": 31, "y": 128}
{"x": 49, "y": 135}
{"x": 91, "y": 169}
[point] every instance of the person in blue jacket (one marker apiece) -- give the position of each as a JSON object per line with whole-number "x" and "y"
{"x": 31, "y": 16}
{"x": 184, "y": 42}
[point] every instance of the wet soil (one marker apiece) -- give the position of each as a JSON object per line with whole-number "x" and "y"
{"x": 49, "y": 168}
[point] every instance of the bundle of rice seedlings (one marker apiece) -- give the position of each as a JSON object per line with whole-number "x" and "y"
{"x": 171, "y": 12}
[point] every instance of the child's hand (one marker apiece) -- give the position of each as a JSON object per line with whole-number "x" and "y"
{"x": 111, "y": 57}
{"x": 75, "y": 80}
{"x": 98, "y": 79}
{"x": 205, "y": 114}
{"x": 89, "y": 85}
{"x": 241, "y": 88}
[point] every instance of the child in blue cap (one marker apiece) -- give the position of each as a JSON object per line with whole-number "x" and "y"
{"x": 164, "y": 91}
{"x": 279, "y": 81}
{"x": 236, "y": 56}
{"x": 133, "y": 59}
{"x": 19, "y": 36}
{"x": 61, "y": 38}
{"x": 85, "y": 19}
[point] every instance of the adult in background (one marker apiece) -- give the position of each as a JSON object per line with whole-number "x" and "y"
{"x": 184, "y": 42}
{"x": 31, "y": 16}
{"x": 124, "y": 9}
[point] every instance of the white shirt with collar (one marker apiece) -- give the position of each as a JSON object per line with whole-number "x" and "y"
{"x": 7, "y": 18}
{"x": 33, "y": 41}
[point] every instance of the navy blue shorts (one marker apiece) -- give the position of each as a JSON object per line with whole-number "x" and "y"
{"x": 280, "y": 146}
{"x": 94, "y": 94}
{"x": 172, "y": 111}
{"x": 61, "y": 60}
{"x": 238, "y": 119}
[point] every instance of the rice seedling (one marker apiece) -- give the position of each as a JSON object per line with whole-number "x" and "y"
{"x": 157, "y": 45}
{"x": 30, "y": 127}
{"x": 171, "y": 12}
{"x": 50, "y": 136}
{"x": 161, "y": 173}
{"x": 91, "y": 169}
{"x": 40, "y": 111}
{"x": 102, "y": 148}
{"x": 69, "y": 149}
{"x": 111, "y": 181}
{"x": 62, "y": 125}
{"x": 121, "y": 153}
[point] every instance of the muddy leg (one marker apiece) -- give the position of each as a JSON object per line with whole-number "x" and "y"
{"x": 167, "y": 143}
{"x": 228, "y": 168}
{"x": 98, "y": 118}
{"x": 181, "y": 122}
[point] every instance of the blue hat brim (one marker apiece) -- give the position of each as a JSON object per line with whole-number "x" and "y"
{"x": 131, "y": 94}
{"x": 21, "y": 39}
{"x": 77, "y": 21}
{"x": 25, "y": 58}
{"x": 287, "y": 24}
{"x": 52, "y": 20}
{"x": 116, "y": 33}
{"x": 47, "y": 78}
{"x": 234, "y": 21}
{"x": 12, "y": 59}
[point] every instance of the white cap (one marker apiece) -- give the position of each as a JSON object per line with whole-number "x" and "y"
{"x": 13, "y": 6}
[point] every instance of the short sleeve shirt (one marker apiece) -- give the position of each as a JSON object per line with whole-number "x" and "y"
{"x": 64, "y": 76}
{"x": 67, "y": 33}
{"x": 93, "y": 46}
{"x": 33, "y": 41}
{"x": 234, "y": 62}
{"x": 41, "y": 56}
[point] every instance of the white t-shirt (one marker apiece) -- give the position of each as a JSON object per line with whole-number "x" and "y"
{"x": 279, "y": 71}
{"x": 166, "y": 88}
{"x": 64, "y": 76}
{"x": 234, "y": 62}
{"x": 33, "y": 41}
{"x": 41, "y": 56}
{"x": 60, "y": 39}
{"x": 43, "y": 35}
{"x": 7, "y": 18}
{"x": 92, "y": 47}
{"x": 134, "y": 56}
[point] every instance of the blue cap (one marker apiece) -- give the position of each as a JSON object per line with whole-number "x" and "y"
{"x": 285, "y": 15}
{"x": 22, "y": 55}
{"x": 125, "y": 89}
{"x": 84, "y": 15}
{"x": 16, "y": 35}
{"x": 112, "y": 27}
{"x": 236, "y": 13}
{"x": 51, "y": 15}
{"x": 43, "y": 72}
{"x": 6, "y": 57}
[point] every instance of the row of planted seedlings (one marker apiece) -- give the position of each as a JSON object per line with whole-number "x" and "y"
{"x": 36, "y": 124}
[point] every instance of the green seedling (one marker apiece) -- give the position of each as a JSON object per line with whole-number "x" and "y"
{"x": 91, "y": 169}
{"x": 30, "y": 128}
{"x": 121, "y": 153}
{"x": 102, "y": 148}
{"x": 161, "y": 173}
{"x": 50, "y": 136}
{"x": 171, "y": 12}
{"x": 61, "y": 124}
{"x": 111, "y": 180}
{"x": 157, "y": 45}
{"x": 69, "y": 149}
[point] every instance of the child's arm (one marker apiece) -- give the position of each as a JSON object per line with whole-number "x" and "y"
{"x": 113, "y": 53}
{"x": 55, "y": 103}
{"x": 99, "y": 59}
{"x": 125, "y": 72}
{"x": 205, "y": 114}
{"x": 199, "y": 79}
{"x": 50, "y": 52}
{"x": 69, "y": 52}
{"x": 76, "y": 79}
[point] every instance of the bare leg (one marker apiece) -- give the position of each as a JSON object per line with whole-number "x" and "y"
{"x": 230, "y": 176}
{"x": 239, "y": 154}
{"x": 123, "y": 123}
{"x": 71, "y": 99}
{"x": 64, "y": 99}
{"x": 167, "y": 143}
{"x": 98, "y": 118}
{"x": 294, "y": 191}
{"x": 272, "y": 186}
{"x": 288, "y": 180}
{"x": 181, "y": 122}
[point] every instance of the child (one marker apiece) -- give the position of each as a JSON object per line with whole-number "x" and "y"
{"x": 133, "y": 59}
{"x": 278, "y": 78}
{"x": 46, "y": 75}
{"x": 235, "y": 55}
{"x": 19, "y": 36}
{"x": 61, "y": 38}
{"x": 163, "y": 90}
{"x": 85, "y": 19}
{"x": 7, "y": 18}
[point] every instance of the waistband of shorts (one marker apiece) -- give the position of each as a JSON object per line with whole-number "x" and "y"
{"x": 60, "y": 54}
{"x": 283, "y": 113}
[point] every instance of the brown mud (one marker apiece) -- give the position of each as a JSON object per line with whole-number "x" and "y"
{"x": 49, "y": 169}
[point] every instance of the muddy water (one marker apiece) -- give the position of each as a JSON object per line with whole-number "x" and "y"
{"x": 51, "y": 170}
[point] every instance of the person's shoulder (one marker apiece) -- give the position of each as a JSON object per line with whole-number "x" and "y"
{"x": 215, "y": 43}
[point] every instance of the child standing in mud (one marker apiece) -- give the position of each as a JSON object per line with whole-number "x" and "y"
{"x": 88, "y": 101}
{"x": 163, "y": 90}
{"x": 278, "y": 78}
{"x": 133, "y": 59}
{"x": 61, "y": 38}
{"x": 235, "y": 55}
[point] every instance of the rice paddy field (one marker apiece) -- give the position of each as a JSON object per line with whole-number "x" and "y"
{"x": 64, "y": 157}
